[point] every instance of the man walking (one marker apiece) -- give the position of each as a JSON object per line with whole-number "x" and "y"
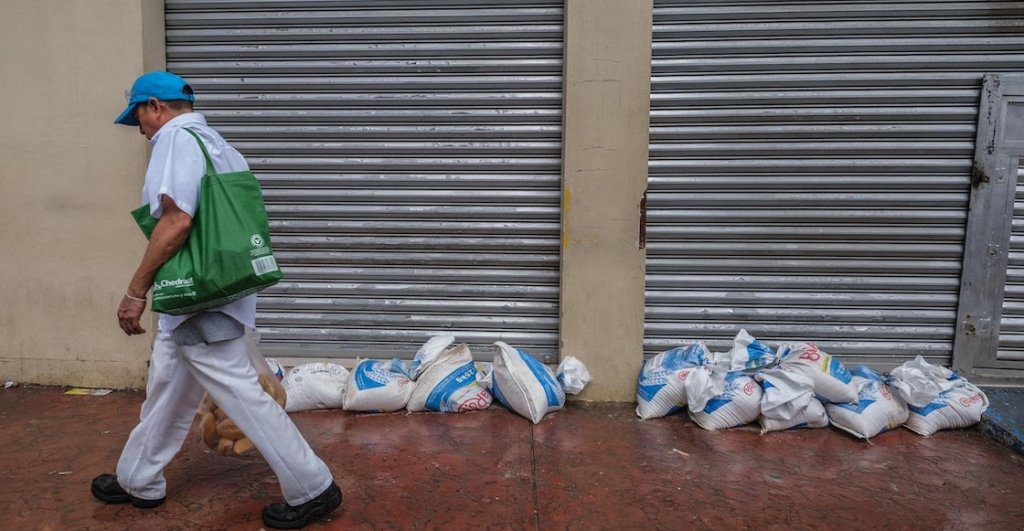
{"x": 205, "y": 351}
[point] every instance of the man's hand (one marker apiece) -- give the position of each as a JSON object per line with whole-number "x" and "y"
{"x": 168, "y": 236}
{"x": 128, "y": 315}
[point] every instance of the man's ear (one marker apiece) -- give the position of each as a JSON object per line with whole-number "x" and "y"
{"x": 154, "y": 104}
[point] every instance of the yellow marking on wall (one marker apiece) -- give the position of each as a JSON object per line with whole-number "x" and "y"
{"x": 566, "y": 196}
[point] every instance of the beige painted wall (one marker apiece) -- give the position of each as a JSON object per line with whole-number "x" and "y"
{"x": 69, "y": 179}
{"x": 607, "y": 96}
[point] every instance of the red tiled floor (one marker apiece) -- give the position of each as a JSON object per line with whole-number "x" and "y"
{"x": 588, "y": 467}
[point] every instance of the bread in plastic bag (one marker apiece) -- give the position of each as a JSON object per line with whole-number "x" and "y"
{"x": 219, "y": 432}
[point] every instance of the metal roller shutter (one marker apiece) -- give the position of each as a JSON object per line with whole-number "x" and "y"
{"x": 410, "y": 157}
{"x": 810, "y": 170}
{"x": 1011, "y": 330}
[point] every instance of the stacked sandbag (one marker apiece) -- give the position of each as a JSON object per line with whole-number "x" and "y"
{"x": 747, "y": 354}
{"x": 449, "y": 383}
{"x": 220, "y": 433}
{"x": 938, "y": 399}
{"x": 738, "y": 404}
{"x": 877, "y": 409}
{"x": 661, "y": 387}
{"x": 788, "y": 401}
{"x": 429, "y": 352}
{"x": 378, "y": 386}
{"x": 315, "y": 386}
{"x": 832, "y": 381}
{"x": 525, "y": 385}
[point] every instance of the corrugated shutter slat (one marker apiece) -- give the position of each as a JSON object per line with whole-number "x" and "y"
{"x": 410, "y": 154}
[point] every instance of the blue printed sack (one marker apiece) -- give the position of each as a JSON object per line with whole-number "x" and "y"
{"x": 737, "y": 405}
{"x": 832, "y": 382}
{"x": 661, "y": 388}
{"x": 379, "y": 386}
{"x": 525, "y": 385}
{"x": 451, "y": 383}
{"x": 877, "y": 409}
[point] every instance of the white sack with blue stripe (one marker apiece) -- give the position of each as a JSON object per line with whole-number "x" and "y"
{"x": 876, "y": 411}
{"x": 788, "y": 401}
{"x": 832, "y": 382}
{"x": 525, "y": 385}
{"x": 379, "y": 386}
{"x": 747, "y": 354}
{"x": 938, "y": 398}
{"x": 450, "y": 384}
{"x": 661, "y": 385}
{"x": 737, "y": 405}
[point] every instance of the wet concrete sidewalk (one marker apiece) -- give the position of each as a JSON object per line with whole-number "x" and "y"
{"x": 587, "y": 467}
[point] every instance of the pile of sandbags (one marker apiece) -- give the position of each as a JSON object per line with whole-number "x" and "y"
{"x": 442, "y": 377}
{"x": 800, "y": 386}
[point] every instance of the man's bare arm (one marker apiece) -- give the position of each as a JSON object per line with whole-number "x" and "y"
{"x": 168, "y": 237}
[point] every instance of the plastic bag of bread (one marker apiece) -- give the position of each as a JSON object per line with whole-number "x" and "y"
{"x": 218, "y": 431}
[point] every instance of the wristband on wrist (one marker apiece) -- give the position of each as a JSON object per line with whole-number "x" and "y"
{"x": 132, "y": 298}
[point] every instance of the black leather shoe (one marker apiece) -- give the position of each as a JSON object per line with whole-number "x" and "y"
{"x": 284, "y": 516}
{"x": 106, "y": 489}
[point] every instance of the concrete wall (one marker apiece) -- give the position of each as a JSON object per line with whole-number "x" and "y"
{"x": 69, "y": 179}
{"x": 607, "y": 97}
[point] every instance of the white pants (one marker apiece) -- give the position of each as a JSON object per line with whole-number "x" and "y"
{"x": 177, "y": 378}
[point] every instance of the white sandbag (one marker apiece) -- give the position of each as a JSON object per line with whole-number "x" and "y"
{"x": 877, "y": 409}
{"x": 275, "y": 368}
{"x": 661, "y": 387}
{"x": 739, "y": 404}
{"x": 450, "y": 384}
{"x": 749, "y": 354}
{"x": 811, "y": 416}
{"x": 428, "y": 353}
{"x": 918, "y": 382}
{"x": 525, "y": 385}
{"x": 378, "y": 386}
{"x": 959, "y": 407}
{"x": 832, "y": 382}
{"x": 573, "y": 375}
{"x": 485, "y": 373}
{"x": 315, "y": 386}
{"x": 703, "y": 384}
{"x": 788, "y": 401}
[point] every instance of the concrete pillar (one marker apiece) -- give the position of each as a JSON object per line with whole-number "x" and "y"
{"x": 606, "y": 105}
{"x": 69, "y": 179}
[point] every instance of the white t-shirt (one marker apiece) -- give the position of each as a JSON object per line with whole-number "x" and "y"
{"x": 175, "y": 170}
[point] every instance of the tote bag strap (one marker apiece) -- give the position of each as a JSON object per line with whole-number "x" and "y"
{"x": 206, "y": 154}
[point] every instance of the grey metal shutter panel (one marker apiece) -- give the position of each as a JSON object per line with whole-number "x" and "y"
{"x": 809, "y": 170}
{"x": 1011, "y": 329}
{"x": 410, "y": 157}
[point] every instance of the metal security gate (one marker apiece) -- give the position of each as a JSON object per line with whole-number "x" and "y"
{"x": 990, "y": 336}
{"x": 1011, "y": 331}
{"x": 410, "y": 158}
{"x": 810, "y": 167}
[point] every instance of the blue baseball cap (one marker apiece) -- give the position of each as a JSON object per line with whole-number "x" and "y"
{"x": 163, "y": 86}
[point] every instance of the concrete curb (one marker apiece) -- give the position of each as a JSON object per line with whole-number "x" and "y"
{"x": 1004, "y": 420}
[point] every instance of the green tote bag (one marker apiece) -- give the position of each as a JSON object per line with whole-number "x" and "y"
{"x": 227, "y": 255}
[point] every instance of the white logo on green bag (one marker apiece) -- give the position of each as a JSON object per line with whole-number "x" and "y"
{"x": 256, "y": 240}
{"x": 176, "y": 283}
